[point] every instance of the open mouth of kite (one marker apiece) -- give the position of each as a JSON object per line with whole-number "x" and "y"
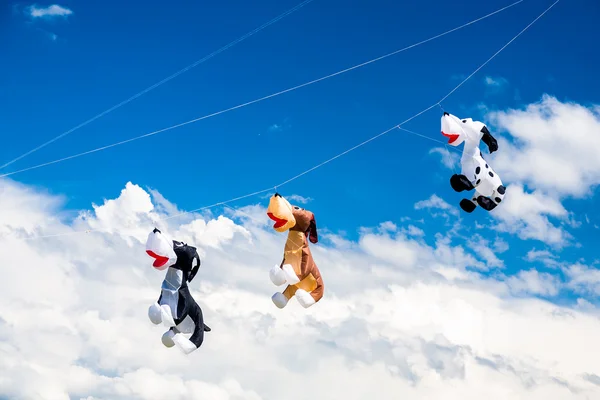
{"x": 279, "y": 222}
{"x": 159, "y": 260}
{"x": 451, "y": 137}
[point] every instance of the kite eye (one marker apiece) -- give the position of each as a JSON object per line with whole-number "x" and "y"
{"x": 464, "y": 121}
{"x": 296, "y": 208}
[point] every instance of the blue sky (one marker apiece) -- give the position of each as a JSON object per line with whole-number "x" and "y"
{"x": 58, "y": 72}
{"x": 421, "y": 300}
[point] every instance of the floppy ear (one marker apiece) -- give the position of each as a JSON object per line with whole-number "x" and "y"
{"x": 196, "y": 267}
{"x": 312, "y": 231}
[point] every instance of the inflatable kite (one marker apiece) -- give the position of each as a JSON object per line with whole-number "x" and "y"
{"x": 476, "y": 173}
{"x": 176, "y": 308}
{"x": 298, "y": 269}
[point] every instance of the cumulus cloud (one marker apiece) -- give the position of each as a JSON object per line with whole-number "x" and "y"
{"x": 533, "y": 282}
{"x": 583, "y": 279}
{"x": 52, "y": 11}
{"x": 554, "y": 146}
{"x": 400, "y": 317}
{"x": 552, "y": 152}
{"x": 434, "y": 202}
{"x": 531, "y": 216}
{"x": 482, "y": 248}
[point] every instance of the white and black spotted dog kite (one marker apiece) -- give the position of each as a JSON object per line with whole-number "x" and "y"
{"x": 476, "y": 173}
{"x": 176, "y": 308}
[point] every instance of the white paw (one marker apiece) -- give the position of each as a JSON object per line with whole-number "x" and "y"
{"x": 167, "y": 316}
{"x": 154, "y": 313}
{"x": 305, "y": 299}
{"x": 184, "y": 343}
{"x": 277, "y": 276}
{"x": 290, "y": 274}
{"x": 167, "y": 338}
{"x": 279, "y": 300}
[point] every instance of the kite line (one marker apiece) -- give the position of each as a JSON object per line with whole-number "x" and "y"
{"x": 167, "y": 79}
{"x": 398, "y": 126}
{"x": 261, "y": 98}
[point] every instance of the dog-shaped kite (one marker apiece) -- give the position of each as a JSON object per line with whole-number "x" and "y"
{"x": 298, "y": 268}
{"x": 476, "y": 173}
{"x": 176, "y": 308}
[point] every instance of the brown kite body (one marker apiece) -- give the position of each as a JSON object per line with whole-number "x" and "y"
{"x": 298, "y": 269}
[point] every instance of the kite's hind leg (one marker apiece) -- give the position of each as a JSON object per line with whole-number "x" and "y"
{"x": 468, "y": 206}
{"x": 499, "y": 194}
{"x": 195, "y": 341}
{"x": 486, "y": 203}
{"x": 489, "y": 204}
{"x": 280, "y": 299}
{"x": 199, "y": 328}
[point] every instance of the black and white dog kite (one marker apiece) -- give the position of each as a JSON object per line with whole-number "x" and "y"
{"x": 176, "y": 308}
{"x": 476, "y": 173}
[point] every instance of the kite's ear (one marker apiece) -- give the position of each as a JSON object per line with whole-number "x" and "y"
{"x": 312, "y": 230}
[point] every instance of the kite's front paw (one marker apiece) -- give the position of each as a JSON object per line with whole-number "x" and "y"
{"x": 167, "y": 316}
{"x": 154, "y": 314}
{"x": 460, "y": 183}
{"x": 277, "y": 276}
{"x": 290, "y": 274}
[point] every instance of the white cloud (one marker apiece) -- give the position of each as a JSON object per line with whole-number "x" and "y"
{"x": 434, "y": 202}
{"x": 52, "y": 11}
{"x": 275, "y": 128}
{"x": 555, "y": 147}
{"x": 279, "y": 127}
{"x": 583, "y": 279}
{"x": 412, "y": 230}
{"x": 449, "y": 159}
{"x": 528, "y": 215}
{"x": 495, "y": 82}
{"x": 298, "y": 199}
{"x": 500, "y": 246}
{"x": 534, "y": 282}
{"x": 481, "y": 247}
{"x": 400, "y": 318}
{"x": 546, "y": 257}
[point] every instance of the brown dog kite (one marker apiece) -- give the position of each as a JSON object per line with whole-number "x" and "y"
{"x": 298, "y": 268}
